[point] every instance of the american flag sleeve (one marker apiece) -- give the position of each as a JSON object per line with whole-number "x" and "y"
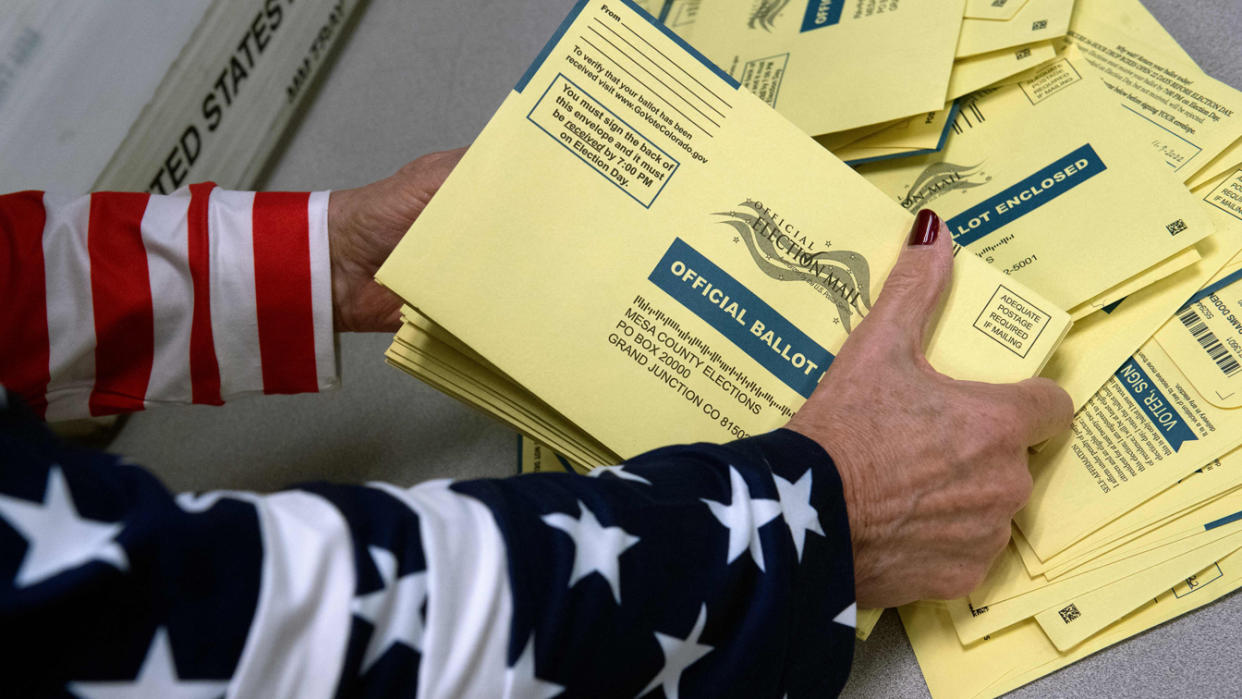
{"x": 119, "y": 301}
{"x": 695, "y": 570}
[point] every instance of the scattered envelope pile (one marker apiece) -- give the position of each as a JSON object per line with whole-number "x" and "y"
{"x": 639, "y": 250}
{"x": 630, "y": 256}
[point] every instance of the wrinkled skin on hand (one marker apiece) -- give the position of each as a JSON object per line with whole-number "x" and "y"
{"x": 364, "y": 225}
{"x": 933, "y": 468}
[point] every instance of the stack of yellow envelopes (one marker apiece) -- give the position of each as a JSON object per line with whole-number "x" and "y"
{"x": 609, "y": 274}
{"x": 639, "y": 250}
{"x": 872, "y": 80}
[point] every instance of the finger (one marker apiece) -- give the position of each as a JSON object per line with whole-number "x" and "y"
{"x": 917, "y": 282}
{"x": 1048, "y": 410}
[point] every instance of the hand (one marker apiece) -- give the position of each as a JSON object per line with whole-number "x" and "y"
{"x": 364, "y": 225}
{"x": 933, "y": 468}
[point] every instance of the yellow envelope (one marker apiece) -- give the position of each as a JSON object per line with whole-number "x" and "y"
{"x": 439, "y": 369}
{"x": 832, "y": 65}
{"x": 865, "y": 622}
{"x": 1188, "y": 117}
{"x": 1184, "y": 527}
{"x": 1047, "y": 182}
{"x": 534, "y": 457}
{"x": 1101, "y": 341}
{"x": 1186, "y": 556}
{"x": 426, "y": 350}
{"x": 1191, "y": 493}
{"x": 1229, "y": 160}
{"x": 1128, "y": 18}
{"x": 1207, "y": 586}
{"x": 977, "y": 72}
{"x": 1037, "y": 20}
{"x": 1145, "y": 429}
{"x": 689, "y": 274}
{"x": 835, "y": 140}
{"x": 1224, "y": 194}
{"x": 655, "y": 8}
{"x": 1074, "y": 620}
{"x": 917, "y": 135}
{"x": 954, "y": 671}
{"x": 1209, "y": 324}
{"x": 993, "y": 9}
{"x": 1009, "y": 579}
{"x": 680, "y": 15}
{"x": 1022, "y": 653}
{"x": 1156, "y": 273}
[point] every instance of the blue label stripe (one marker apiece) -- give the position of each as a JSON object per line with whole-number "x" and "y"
{"x": 1211, "y": 289}
{"x": 1024, "y": 197}
{"x": 822, "y": 13}
{"x": 742, "y": 317}
{"x": 668, "y": 7}
{"x": 1155, "y": 405}
{"x": 1222, "y": 521}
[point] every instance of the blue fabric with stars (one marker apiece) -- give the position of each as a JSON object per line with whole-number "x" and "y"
{"x": 694, "y": 570}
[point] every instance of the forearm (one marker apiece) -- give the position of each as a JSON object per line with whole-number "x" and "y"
{"x": 125, "y": 301}
{"x": 719, "y": 570}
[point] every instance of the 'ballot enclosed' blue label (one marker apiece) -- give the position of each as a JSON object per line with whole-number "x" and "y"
{"x": 1024, "y": 197}
{"x": 742, "y": 317}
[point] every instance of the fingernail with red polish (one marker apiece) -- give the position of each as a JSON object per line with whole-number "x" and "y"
{"x": 926, "y": 228}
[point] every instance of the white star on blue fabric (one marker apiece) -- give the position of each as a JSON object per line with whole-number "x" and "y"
{"x": 520, "y": 679}
{"x": 800, "y": 515}
{"x": 848, "y": 616}
{"x": 679, "y": 654}
{"x": 157, "y": 678}
{"x": 59, "y": 538}
{"x": 743, "y": 517}
{"x": 396, "y": 610}
{"x": 619, "y": 472}
{"x": 597, "y": 549}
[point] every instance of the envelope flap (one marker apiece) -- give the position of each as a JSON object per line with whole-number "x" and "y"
{"x": 1001, "y": 10}
{"x": 1204, "y": 338}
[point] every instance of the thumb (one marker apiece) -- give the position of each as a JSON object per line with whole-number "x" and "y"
{"x": 917, "y": 281}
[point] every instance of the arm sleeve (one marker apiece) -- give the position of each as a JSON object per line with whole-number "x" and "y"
{"x": 120, "y": 301}
{"x": 695, "y": 570}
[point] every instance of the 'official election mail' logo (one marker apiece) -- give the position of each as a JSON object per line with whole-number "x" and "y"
{"x": 782, "y": 252}
{"x": 939, "y": 179}
{"x": 765, "y": 13}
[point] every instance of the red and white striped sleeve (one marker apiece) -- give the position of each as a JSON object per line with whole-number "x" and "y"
{"x": 113, "y": 302}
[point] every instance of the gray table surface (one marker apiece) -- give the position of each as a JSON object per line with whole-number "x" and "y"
{"x": 415, "y": 77}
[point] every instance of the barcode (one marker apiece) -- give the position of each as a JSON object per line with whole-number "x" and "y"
{"x": 1220, "y": 354}
{"x": 1070, "y": 613}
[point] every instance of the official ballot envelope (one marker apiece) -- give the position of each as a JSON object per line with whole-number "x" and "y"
{"x": 1035, "y": 20}
{"x": 1189, "y": 117}
{"x": 1168, "y": 410}
{"x": 1054, "y": 185}
{"x": 656, "y": 278}
{"x": 831, "y": 65}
